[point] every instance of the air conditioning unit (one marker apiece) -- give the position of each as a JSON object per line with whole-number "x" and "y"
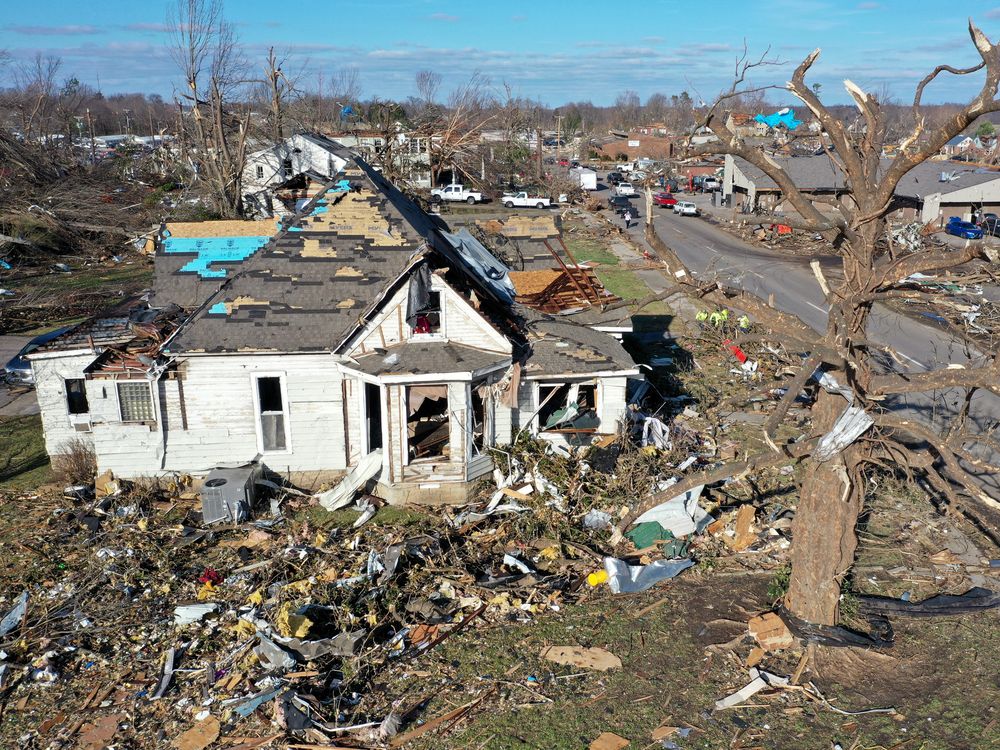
{"x": 229, "y": 494}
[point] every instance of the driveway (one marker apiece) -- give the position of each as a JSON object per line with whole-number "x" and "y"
{"x": 15, "y": 400}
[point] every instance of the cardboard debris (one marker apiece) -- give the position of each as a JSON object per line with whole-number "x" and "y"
{"x": 200, "y": 736}
{"x": 609, "y": 741}
{"x": 744, "y": 528}
{"x": 663, "y": 732}
{"x": 586, "y": 658}
{"x": 770, "y": 631}
{"x": 99, "y": 734}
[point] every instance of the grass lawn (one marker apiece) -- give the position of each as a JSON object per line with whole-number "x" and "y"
{"x": 23, "y": 461}
{"x": 110, "y": 279}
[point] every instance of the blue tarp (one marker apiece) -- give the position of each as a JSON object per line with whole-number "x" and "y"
{"x": 211, "y": 250}
{"x": 784, "y": 117}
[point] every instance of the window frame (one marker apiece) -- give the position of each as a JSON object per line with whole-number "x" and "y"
{"x": 69, "y": 409}
{"x": 260, "y": 171}
{"x": 441, "y": 334}
{"x": 149, "y": 392}
{"x": 285, "y": 412}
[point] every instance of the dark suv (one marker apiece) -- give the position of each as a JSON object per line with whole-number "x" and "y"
{"x": 615, "y": 177}
{"x": 620, "y": 202}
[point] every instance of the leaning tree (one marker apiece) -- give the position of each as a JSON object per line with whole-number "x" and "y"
{"x": 951, "y": 459}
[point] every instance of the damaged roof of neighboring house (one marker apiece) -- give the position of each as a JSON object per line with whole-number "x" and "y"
{"x": 134, "y": 324}
{"x": 819, "y": 173}
{"x": 557, "y": 290}
{"x": 427, "y": 357}
{"x": 524, "y": 239}
{"x": 563, "y": 348}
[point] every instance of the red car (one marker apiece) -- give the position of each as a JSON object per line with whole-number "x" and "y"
{"x": 664, "y": 199}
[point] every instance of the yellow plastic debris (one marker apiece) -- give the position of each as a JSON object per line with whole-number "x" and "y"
{"x": 597, "y": 577}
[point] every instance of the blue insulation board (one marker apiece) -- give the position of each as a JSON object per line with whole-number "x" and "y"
{"x": 211, "y": 250}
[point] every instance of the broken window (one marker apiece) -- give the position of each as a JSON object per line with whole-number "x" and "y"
{"x": 429, "y": 315}
{"x": 76, "y": 396}
{"x": 272, "y": 417}
{"x": 286, "y": 168}
{"x": 135, "y": 402}
{"x": 480, "y": 418}
{"x": 568, "y": 407}
{"x": 428, "y": 427}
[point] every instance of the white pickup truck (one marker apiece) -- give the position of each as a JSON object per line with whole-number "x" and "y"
{"x": 523, "y": 200}
{"x": 456, "y": 192}
{"x": 624, "y": 188}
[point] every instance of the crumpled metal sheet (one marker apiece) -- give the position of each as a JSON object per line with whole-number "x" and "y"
{"x": 850, "y": 425}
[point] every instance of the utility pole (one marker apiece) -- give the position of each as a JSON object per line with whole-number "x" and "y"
{"x": 93, "y": 145}
{"x": 558, "y": 135}
{"x": 538, "y": 152}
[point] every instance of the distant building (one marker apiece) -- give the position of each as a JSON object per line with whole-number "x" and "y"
{"x": 930, "y": 192}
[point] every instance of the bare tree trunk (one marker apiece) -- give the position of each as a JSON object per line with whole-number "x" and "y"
{"x": 824, "y": 526}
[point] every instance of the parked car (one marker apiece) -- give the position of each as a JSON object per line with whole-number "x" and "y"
{"x": 686, "y": 208}
{"x": 624, "y": 188}
{"x": 637, "y": 176}
{"x": 987, "y": 217}
{"x": 614, "y": 178}
{"x": 524, "y": 200}
{"x": 456, "y": 192}
{"x": 564, "y": 162}
{"x": 710, "y": 184}
{"x": 18, "y": 369}
{"x": 664, "y": 199}
{"x": 965, "y": 229}
{"x": 990, "y": 226}
{"x": 620, "y": 203}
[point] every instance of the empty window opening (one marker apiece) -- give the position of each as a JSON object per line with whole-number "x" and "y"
{"x": 428, "y": 427}
{"x": 135, "y": 402}
{"x": 272, "y": 416}
{"x": 286, "y": 168}
{"x": 76, "y": 396}
{"x": 480, "y": 419}
{"x": 373, "y": 415}
{"x": 570, "y": 407}
{"x": 429, "y": 316}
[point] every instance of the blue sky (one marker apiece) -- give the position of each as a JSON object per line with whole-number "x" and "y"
{"x": 554, "y": 51}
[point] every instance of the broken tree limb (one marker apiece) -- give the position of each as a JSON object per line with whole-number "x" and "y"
{"x": 733, "y": 469}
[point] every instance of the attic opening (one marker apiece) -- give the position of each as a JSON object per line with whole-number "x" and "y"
{"x": 568, "y": 407}
{"x": 428, "y": 424}
{"x": 428, "y": 319}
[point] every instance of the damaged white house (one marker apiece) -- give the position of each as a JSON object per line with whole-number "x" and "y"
{"x": 364, "y": 324}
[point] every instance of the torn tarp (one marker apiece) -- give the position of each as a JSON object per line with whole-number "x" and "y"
{"x": 419, "y": 297}
{"x": 629, "y": 579}
{"x": 974, "y": 600}
{"x": 681, "y": 515}
{"x": 13, "y": 618}
{"x": 483, "y": 263}
{"x": 655, "y": 432}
